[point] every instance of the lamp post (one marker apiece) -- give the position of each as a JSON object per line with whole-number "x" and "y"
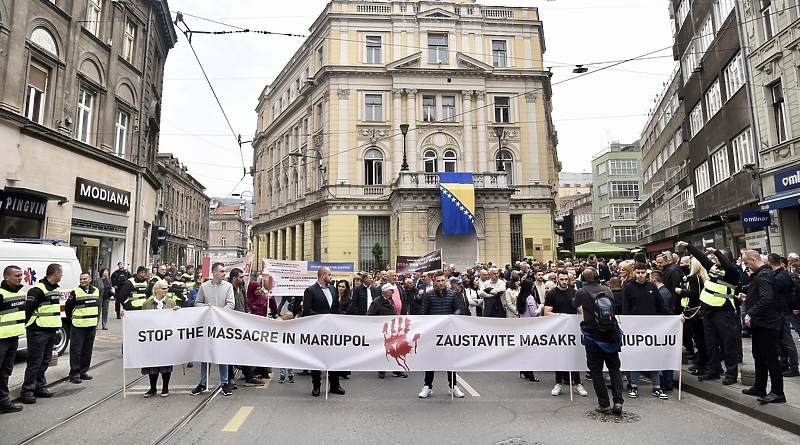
{"x": 498, "y": 131}
{"x": 404, "y": 130}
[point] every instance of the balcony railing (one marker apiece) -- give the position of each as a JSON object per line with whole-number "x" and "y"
{"x": 424, "y": 180}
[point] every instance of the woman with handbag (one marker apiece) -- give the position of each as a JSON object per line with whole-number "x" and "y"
{"x": 694, "y": 278}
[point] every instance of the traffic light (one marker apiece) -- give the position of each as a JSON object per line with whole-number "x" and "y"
{"x": 158, "y": 238}
{"x": 162, "y": 236}
{"x": 566, "y": 231}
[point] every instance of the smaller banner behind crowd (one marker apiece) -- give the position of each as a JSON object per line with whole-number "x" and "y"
{"x": 410, "y": 343}
{"x": 425, "y": 263}
{"x": 245, "y": 263}
{"x": 291, "y": 278}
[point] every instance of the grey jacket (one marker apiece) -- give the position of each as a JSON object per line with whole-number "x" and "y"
{"x": 217, "y": 296}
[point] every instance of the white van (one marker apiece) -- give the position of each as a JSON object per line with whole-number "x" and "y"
{"x": 33, "y": 259}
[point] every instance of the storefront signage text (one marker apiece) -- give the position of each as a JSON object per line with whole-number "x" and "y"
{"x": 22, "y": 205}
{"x": 102, "y": 195}
{"x": 787, "y": 180}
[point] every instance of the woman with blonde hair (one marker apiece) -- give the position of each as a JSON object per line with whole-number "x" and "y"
{"x": 625, "y": 272}
{"x": 694, "y": 278}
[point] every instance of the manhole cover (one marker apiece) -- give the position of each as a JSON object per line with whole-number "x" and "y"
{"x": 625, "y": 417}
{"x": 67, "y": 392}
{"x": 518, "y": 441}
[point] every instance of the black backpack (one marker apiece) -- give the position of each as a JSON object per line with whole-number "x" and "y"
{"x": 604, "y": 315}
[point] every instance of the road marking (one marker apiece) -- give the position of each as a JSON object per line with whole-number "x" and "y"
{"x": 238, "y": 419}
{"x": 266, "y": 382}
{"x": 466, "y": 386}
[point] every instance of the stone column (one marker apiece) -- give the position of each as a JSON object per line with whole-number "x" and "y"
{"x": 469, "y": 146}
{"x": 532, "y": 144}
{"x": 342, "y": 151}
{"x": 397, "y": 138}
{"x": 480, "y": 109}
{"x": 298, "y": 244}
{"x": 411, "y": 120}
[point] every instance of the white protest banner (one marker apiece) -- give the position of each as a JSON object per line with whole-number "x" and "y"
{"x": 411, "y": 343}
{"x": 245, "y": 263}
{"x": 291, "y": 278}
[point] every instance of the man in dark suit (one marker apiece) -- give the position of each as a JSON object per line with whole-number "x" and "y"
{"x": 363, "y": 295}
{"x": 322, "y": 298}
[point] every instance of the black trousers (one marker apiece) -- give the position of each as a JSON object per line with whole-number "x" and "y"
{"x": 40, "y": 351}
{"x": 721, "y": 329}
{"x": 8, "y": 351}
{"x": 81, "y": 343}
{"x": 451, "y": 379}
{"x": 699, "y": 335}
{"x": 333, "y": 378}
{"x": 787, "y": 349}
{"x": 595, "y": 358}
{"x": 117, "y": 305}
{"x": 765, "y": 355}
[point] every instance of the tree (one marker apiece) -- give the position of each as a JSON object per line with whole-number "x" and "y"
{"x": 377, "y": 254}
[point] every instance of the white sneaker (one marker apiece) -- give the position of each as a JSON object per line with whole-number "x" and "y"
{"x": 556, "y": 389}
{"x": 581, "y": 392}
{"x": 457, "y": 392}
{"x": 426, "y": 391}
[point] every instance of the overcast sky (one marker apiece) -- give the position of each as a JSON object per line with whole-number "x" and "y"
{"x": 604, "y": 105}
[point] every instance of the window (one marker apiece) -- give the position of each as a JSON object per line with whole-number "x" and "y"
{"x": 36, "y": 93}
{"x": 224, "y": 225}
{"x": 373, "y": 230}
{"x": 689, "y": 61}
{"x": 719, "y": 165}
{"x": 429, "y": 161}
{"x": 429, "y": 108}
{"x": 373, "y": 167}
{"x": 319, "y": 58}
{"x": 713, "y": 99}
{"x": 734, "y": 75}
{"x": 85, "y": 108}
{"x": 742, "y": 151}
{"x": 683, "y": 12}
{"x": 121, "y": 132}
{"x": 602, "y": 189}
{"x": 45, "y": 40}
{"x": 768, "y": 19}
{"x": 437, "y": 48}
{"x": 623, "y": 167}
{"x": 706, "y": 36}
{"x": 128, "y": 44}
{"x": 448, "y": 108}
{"x": 223, "y": 241}
{"x": 695, "y": 121}
{"x": 93, "y": 17}
{"x": 778, "y": 112}
{"x": 604, "y": 211}
{"x": 499, "y": 55}
{"x": 601, "y": 168}
{"x": 502, "y": 110}
{"x": 722, "y": 8}
{"x": 374, "y": 105}
{"x": 374, "y": 49}
{"x": 506, "y": 160}
{"x": 625, "y": 235}
{"x": 624, "y": 189}
{"x": 450, "y": 161}
{"x": 319, "y": 116}
{"x": 701, "y": 178}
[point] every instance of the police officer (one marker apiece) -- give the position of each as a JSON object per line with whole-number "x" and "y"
{"x": 43, "y": 312}
{"x": 133, "y": 292}
{"x": 718, "y": 308}
{"x": 118, "y": 278}
{"x": 82, "y": 310}
{"x": 12, "y": 325}
{"x": 177, "y": 291}
{"x": 188, "y": 276}
{"x": 160, "y": 274}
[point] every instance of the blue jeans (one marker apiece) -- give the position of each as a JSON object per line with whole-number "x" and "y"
{"x": 743, "y": 314}
{"x": 634, "y": 378}
{"x": 284, "y": 300}
{"x": 563, "y": 376}
{"x": 795, "y": 319}
{"x": 223, "y": 374}
{"x": 290, "y": 371}
{"x": 668, "y": 379}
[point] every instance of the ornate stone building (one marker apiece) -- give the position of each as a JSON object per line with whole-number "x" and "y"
{"x": 335, "y": 174}
{"x": 183, "y": 209}
{"x": 228, "y": 230}
{"x": 80, "y": 92}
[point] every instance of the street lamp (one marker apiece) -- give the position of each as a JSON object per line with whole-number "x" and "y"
{"x": 498, "y": 131}
{"x": 244, "y": 194}
{"x": 404, "y": 130}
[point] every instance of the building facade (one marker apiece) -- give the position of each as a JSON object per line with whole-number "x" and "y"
{"x": 80, "y": 95}
{"x": 771, "y": 31}
{"x": 616, "y": 185}
{"x": 571, "y": 185}
{"x": 583, "y": 219}
{"x": 229, "y": 228}
{"x": 334, "y": 172}
{"x": 183, "y": 208}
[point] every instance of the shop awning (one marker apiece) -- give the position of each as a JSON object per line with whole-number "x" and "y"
{"x": 781, "y": 200}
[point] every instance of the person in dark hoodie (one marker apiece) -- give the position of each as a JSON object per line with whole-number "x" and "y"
{"x": 766, "y": 324}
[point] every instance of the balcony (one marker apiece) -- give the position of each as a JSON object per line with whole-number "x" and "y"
{"x": 422, "y": 180}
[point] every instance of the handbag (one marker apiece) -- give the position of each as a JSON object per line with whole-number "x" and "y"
{"x": 691, "y": 315}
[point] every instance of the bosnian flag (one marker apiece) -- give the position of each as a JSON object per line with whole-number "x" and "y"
{"x": 458, "y": 203}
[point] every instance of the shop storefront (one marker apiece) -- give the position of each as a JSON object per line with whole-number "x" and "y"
{"x": 21, "y": 214}
{"x": 99, "y": 236}
{"x": 784, "y": 207}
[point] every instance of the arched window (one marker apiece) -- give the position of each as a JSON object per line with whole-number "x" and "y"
{"x": 373, "y": 167}
{"x": 296, "y": 184}
{"x": 506, "y": 160}
{"x": 223, "y": 241}
{"x": 44, "y": 39}
{"x": 286, "y": 188}
{"x": 430, "y": 161}
{"x": 450, "y": 161}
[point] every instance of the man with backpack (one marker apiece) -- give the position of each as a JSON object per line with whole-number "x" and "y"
{"x": 602, "y": 339}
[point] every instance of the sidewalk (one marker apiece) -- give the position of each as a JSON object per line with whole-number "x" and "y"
{"x": 782, "y": 415}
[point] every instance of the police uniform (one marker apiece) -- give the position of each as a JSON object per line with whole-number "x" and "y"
{"x": 177, "y": 292}
{"x": 43, "y": 312}
{"x": 133, "y": 294}
{"x": 82, "y": 310}
{"x": 12, "y": 326}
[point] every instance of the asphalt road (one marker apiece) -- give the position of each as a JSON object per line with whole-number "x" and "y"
{"x": 497, "y": 408}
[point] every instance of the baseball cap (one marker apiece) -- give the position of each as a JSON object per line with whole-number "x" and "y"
{"x": 455, "y": 280}
{"x": 388, "y": 286}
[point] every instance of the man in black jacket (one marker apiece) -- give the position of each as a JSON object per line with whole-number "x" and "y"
{"x": 321, "y": 298}
{"x": 784, "y": 288}
{"x": 766, "y": 324}
{"x": 363, "y": 295}
{"x": 118, "y": 278}
{"x": 440, "y": 301}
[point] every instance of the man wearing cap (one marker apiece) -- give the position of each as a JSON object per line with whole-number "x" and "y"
{"x": 118, "y": 278}
{"x": 456, "y": 286}
{"x": 384, "y": 305}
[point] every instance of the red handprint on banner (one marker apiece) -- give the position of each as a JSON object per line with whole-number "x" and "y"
{"x": 395, "y": 341}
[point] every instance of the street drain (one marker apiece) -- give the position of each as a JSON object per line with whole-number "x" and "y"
{"x": 67, "y": 392}
{"x": 625, "y": 417}
{"x": 518, "y": 441}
